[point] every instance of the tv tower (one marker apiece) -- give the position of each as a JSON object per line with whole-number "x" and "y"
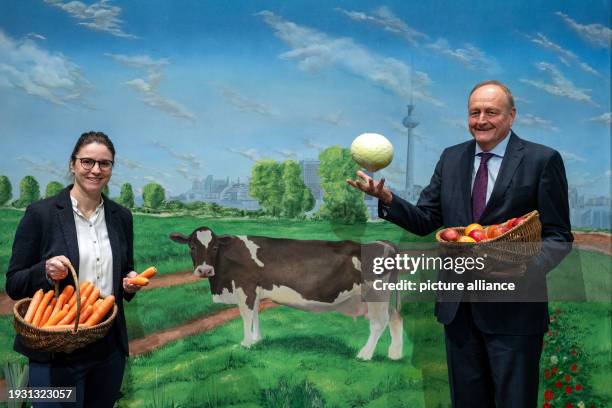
{"x": 409, "y": 123}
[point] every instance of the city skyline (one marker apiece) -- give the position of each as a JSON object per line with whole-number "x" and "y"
{"x": 207, "y": 88}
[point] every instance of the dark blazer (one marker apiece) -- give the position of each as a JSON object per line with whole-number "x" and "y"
{"x": 48, "y": 229}
{"x": 531, "y": 177}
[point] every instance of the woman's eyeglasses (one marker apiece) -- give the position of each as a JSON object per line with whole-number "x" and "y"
{"x": 89, "y": 164}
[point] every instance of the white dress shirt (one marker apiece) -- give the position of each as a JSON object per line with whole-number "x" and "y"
{"x": 493, "y": 165}
{"x": 95, "y": 254}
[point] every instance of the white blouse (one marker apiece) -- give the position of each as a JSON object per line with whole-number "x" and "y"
{"x": 95, "y": 254}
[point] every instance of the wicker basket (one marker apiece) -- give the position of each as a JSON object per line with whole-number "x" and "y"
{"x": 65, "y": 341}
{"x": 514, "y": 247}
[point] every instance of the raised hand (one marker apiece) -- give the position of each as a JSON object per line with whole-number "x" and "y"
{"x": 372, "y": 187}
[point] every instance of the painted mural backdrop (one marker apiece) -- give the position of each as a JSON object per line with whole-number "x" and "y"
{"x": 233, "y": 114}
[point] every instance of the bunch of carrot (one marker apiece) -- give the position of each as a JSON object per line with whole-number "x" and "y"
{"x": 60, "y": 313}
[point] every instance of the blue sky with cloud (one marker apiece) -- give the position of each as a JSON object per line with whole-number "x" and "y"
{"x": 191, "y": 88}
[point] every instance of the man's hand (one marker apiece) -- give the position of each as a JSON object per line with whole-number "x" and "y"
{"x": 57, "y": 267}
{"x": 371, "y": 187}
{"x": 129, "y": 287}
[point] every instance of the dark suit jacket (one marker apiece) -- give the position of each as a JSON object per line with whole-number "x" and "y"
{"x": 48, "y": 229}
{"x": 531, "y": 177}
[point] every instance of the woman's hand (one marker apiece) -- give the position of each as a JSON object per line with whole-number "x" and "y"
{"x": 127, "y": 286}
{"x": 371, "y": 187}
{"x": 57, "y": 267}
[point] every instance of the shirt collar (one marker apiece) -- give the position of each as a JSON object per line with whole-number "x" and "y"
{"x": 75, "y": 204}
{"x": 499, "y": 150}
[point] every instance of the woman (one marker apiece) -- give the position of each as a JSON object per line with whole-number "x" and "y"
{"x": 82, "y": 227}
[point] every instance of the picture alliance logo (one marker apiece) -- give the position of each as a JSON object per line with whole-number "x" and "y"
{"x": 412, "y": 264}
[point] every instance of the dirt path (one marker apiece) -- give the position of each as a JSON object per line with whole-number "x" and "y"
{"x": 594, "y": 241}
{"x": 157, "y": 340}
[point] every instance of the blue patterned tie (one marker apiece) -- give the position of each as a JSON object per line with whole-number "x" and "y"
{"x": 479, "y": 192}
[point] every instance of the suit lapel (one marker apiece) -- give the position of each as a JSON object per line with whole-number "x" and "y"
{"x": 465, "y": 178}
{"x": 113, "y": 236}
{"x": 68, "y": 226}
{"x": 512, "y": 159}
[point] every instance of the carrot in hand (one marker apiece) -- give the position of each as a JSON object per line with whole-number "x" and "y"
{"x": 139, "y": 280}
{"x": 34, "y": 305}
{"x": 149, "y": 272}
{"x": 42, "y": 307}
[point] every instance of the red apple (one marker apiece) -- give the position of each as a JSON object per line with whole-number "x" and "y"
{"x": 477, "y": 235}
{"x": 449, "y": 234}
{"x": 503, "y": 229}
{"x": 493, "y": 231}
{"x": 513, "y": 222}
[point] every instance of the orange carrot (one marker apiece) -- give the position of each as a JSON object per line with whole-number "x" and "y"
{"x": 149, "y": 272}
{"x": 38, "y": 296}
{"x": 87, "y": 291}
{"x": 55, "y": 319}
{"x": 85, "y": 314}
{"x": 101, "y": 312}
{"x": 68, "y": 291}
{"x": 59, "y": 304}
{"x": 139, "y": 280}
{"x": 42, "y": 307}
{"x": 69, "y": 318}
{"x": 93, "y": 297}
{"x": 47, "y": 313}
{"x": 84, "y": 286}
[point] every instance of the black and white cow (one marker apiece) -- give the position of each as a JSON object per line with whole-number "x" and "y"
{"x": 309, "y": 275}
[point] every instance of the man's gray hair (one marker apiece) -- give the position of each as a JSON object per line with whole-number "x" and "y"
{"x": 503, "y": 87}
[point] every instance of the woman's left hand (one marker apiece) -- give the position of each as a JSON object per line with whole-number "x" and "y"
{"x": 129, "y": 287}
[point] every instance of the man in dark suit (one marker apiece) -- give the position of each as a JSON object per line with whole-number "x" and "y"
{"x": 493, "y": 349}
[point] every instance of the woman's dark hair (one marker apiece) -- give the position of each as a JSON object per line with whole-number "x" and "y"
{"x": 92, "y": 137}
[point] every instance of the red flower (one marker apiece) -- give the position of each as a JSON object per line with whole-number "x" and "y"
{"x": 547, "y": 373}
{"x": 568, "y": 389}
{"x": 548, "y": 395}
{"x": 569, "y": 405}
{"x": 546, "y": 405}
{"x": 567, "y": 378}
{"x": 574, "y": 367}
{"x": 554, "y": 370}
{"x": 578, "y": 387}
{"x": 558, "y": 384}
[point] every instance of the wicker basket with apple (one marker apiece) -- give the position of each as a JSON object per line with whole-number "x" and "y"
{"x": 513, "y": 242}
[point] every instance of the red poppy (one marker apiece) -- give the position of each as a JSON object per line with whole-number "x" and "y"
{"x": 547, "y": 373}
{"x": 558, "y": 384}
{"x": 567, "y": 378}
{"x": 578, "y": 387}
{"x": 546, "y": 405}
{"x": 568, "y": 389}
{"x": 574, "y": 367}
{"x": 569, "y": 405}
{"x": 554, "y": 370}
{"x": 548, "y": 395}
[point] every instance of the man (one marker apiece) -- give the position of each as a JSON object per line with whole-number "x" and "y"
{"x": 493, "y": 349}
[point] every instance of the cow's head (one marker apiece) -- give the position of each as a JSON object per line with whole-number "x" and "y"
{"x": 203, "y": 246}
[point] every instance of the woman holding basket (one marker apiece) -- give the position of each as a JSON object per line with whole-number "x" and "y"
{"x": 81, "y": 227}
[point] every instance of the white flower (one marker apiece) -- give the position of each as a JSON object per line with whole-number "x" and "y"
{"x": 564, "y": 358}
{"x": 554, "y": 360}
{"x": 581, "y": 404}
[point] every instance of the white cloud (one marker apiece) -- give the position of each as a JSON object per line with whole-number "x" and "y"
{"x": 99, "y": 16}
{"x": 45, "y": 167}
{"x": 604, "y": 118}
{"x": 568, "y": 156}
{"x": 314, "y": 51}
{"x": 130, "y": 164}
{"x": 530, "y": 120}
{"x": 147, "y": 87}
{"x": 384, "y": 17}
{"x": 245, "y": 104}
{"x": 287, "y": 154}
{"x": 250, "y": 154}
{"x": 313, "y": 144}
{"x": 566, "y": 56}
{"x": 40, "y": 73}
{"x": 560, "y": 86}
{"x": 456, "y": 123}
{"x": 36, "y": 36}
{"x": 334, "y": 118}
{"x": 521, "y": 99}
{"x": 470, "y": 56}
{"x": 190, "y": 160}
{"x": 596, "y": 34}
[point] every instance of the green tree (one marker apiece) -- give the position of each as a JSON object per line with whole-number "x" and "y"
{"x": 126, "y": 197}
{"x": 153, "y": 195}
{"x": 53, "y": 188}
{"x": 29, "y": 191}
{"x": 6, "y": 190}
{"x": 341, "y": 202}
{"x": 105, "y": 190}
{"x": 266, "y": 186}
{"x": 297, "y": 198}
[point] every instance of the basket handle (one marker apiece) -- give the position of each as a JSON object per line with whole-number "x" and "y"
{"x": 77, "y": 289}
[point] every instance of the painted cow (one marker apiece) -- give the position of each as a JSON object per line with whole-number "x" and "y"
{"x": 309, "y": 275}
